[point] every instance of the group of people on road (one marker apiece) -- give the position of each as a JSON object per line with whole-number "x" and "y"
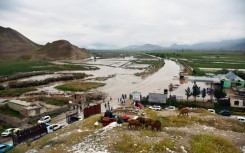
{"x": 122, "y": 99}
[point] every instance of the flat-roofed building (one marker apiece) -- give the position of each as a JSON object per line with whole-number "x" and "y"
{"x": 25, "y": 108}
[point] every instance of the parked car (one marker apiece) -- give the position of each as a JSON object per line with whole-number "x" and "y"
{"x": 241, "y": 119}
{"x": 56, "y": 126}
{"x": 170, "y": 108}
{"x": 225, "y": 113}
{"x": 44, "y": 119}
{"x": 8, "y": 132}
{"x": 155, "y": 107}
{"x": 5, "y": 147}
{"x": 211, "y": 111}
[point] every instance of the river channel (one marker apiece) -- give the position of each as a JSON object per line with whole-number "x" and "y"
{"x": 125, "y": 82}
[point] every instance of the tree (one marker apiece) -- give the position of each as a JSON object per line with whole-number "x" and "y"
{"x": 188, "y": 93}
{"x": 203, "y": 93}
{"x": 219, "y": 93}
{"x": 195, "y": 90}
{"x": 170, "y": 87}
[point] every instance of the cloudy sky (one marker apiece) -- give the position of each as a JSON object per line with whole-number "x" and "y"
{"x": 118, "y": 23}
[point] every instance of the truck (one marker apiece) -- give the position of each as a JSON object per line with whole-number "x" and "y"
{"x": 32, "y": 133}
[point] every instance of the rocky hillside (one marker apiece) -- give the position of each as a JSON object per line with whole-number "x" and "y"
{"x": 201, "y": 131}
{"x": 60, "y": 50}
{"x": 13, "y": 44}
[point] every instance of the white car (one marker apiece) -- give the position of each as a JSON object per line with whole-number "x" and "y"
{"x": 211, "y": 111}
{"x": 56, "y": 126}
{"x": 241, "y": 119}
{"x": 170, "y": 108}
{"x": 44, "y": 119}
{"x": 8, "y": 132}
{"x": 155, "y": 107}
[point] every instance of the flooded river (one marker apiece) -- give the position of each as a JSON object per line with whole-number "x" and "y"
{"x": 125, "y": 82}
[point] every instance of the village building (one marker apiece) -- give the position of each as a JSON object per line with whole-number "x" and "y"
{"x": 230, "y": 80}
{"x": 24, "y": 108}
{"x": 157, "y": 98}
{"x": 237, "y": 101}
{"x": 136, "y": 96}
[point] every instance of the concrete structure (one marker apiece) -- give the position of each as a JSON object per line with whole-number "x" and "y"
{"x": 231, "y": 80}
{"x": 237, "y": 101}
{"x": 25, "y": 108}
{"x": 204, "y": 79}
{"x": 136, "y": 96}
{"x": 157, "y": 98}
{"x": 78, "y": 99}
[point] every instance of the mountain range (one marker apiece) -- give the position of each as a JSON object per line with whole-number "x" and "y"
{"x": 145, "y": 47}
{"x": 232, "y": 45}
{"x": 226, "y": 45}
{"x": 15, "y": 46}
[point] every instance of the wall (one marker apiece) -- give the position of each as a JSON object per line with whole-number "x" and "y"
{"x": 240, "y": 105}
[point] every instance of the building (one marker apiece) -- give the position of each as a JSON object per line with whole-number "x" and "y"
{"x": 157, "y": 98}
{"x": 25, "y": 108}
{"x": 237, "y": 101}
{"x": 78, "y": 99}
{"x": 136, "y": 96}
{"x": 231, "y": 80}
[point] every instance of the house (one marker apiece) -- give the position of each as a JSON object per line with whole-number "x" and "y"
{"x": 136, "y": 96}
{"x": 231, "y": 80}
{"x": 237, "y": 101}
{"x": 78, "y": 99}
{"x": 157, "y": 98}
{"x": 25, "y": 108}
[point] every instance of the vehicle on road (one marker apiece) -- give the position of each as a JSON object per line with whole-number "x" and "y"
{"x": 211, "y": 111}
{"x": 56, "y": 126}
{"x": 155, "y": 107}
{"x": 5, "y": 147}
{"x": 241, "y": 119}
{"x": 44, "y": 119}
{"x": 8, "y": 132}
{"x": 170, "y": 108}
{"x": 225, "y": 113}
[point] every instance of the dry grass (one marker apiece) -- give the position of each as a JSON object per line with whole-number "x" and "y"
{"x": 204, "y": 143}
{"x": 128, "y": 143}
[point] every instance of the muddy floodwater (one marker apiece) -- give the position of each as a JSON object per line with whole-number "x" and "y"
{"x": 125, "y": 82}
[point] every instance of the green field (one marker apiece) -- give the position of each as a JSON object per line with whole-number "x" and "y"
{"x": 79, "y": 86}
{"x": 207, "y": 59}
{"x": 12, "y": 67}
{"x": 15, "y": 92}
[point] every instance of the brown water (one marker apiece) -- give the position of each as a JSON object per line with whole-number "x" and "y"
{"x": 125, "y": 82}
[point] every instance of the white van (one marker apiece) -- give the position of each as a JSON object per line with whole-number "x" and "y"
{"x": 241, "y": 119}
{"x": 211, "y": 111}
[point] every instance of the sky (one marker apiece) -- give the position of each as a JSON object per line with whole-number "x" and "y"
{"x": 119, "y": 23}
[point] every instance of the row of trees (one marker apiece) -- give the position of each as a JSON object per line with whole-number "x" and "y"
{"x": 196, "y": 91}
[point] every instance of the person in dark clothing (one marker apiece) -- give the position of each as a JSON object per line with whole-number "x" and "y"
{"x": 105, "y": 105}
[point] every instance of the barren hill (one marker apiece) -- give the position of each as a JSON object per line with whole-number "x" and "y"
{"x": 60, "y": 50}
{"x": 13, "y": 44}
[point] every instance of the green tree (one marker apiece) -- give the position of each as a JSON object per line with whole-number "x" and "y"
{"x": 203, "y": 93}
{"x": 195, "y": 90}
{"x": 188, "y": 93}
{"x": 170, "y": 87}
{"x": 219, "y": 93}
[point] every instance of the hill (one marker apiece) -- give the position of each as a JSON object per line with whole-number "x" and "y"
{"x": 232, "y": 45}
{"x": 13, "y": 44}
{"x": 146, "y": 47}
{"x": 200, "y": 132}
{"x": 60, "y": 50}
